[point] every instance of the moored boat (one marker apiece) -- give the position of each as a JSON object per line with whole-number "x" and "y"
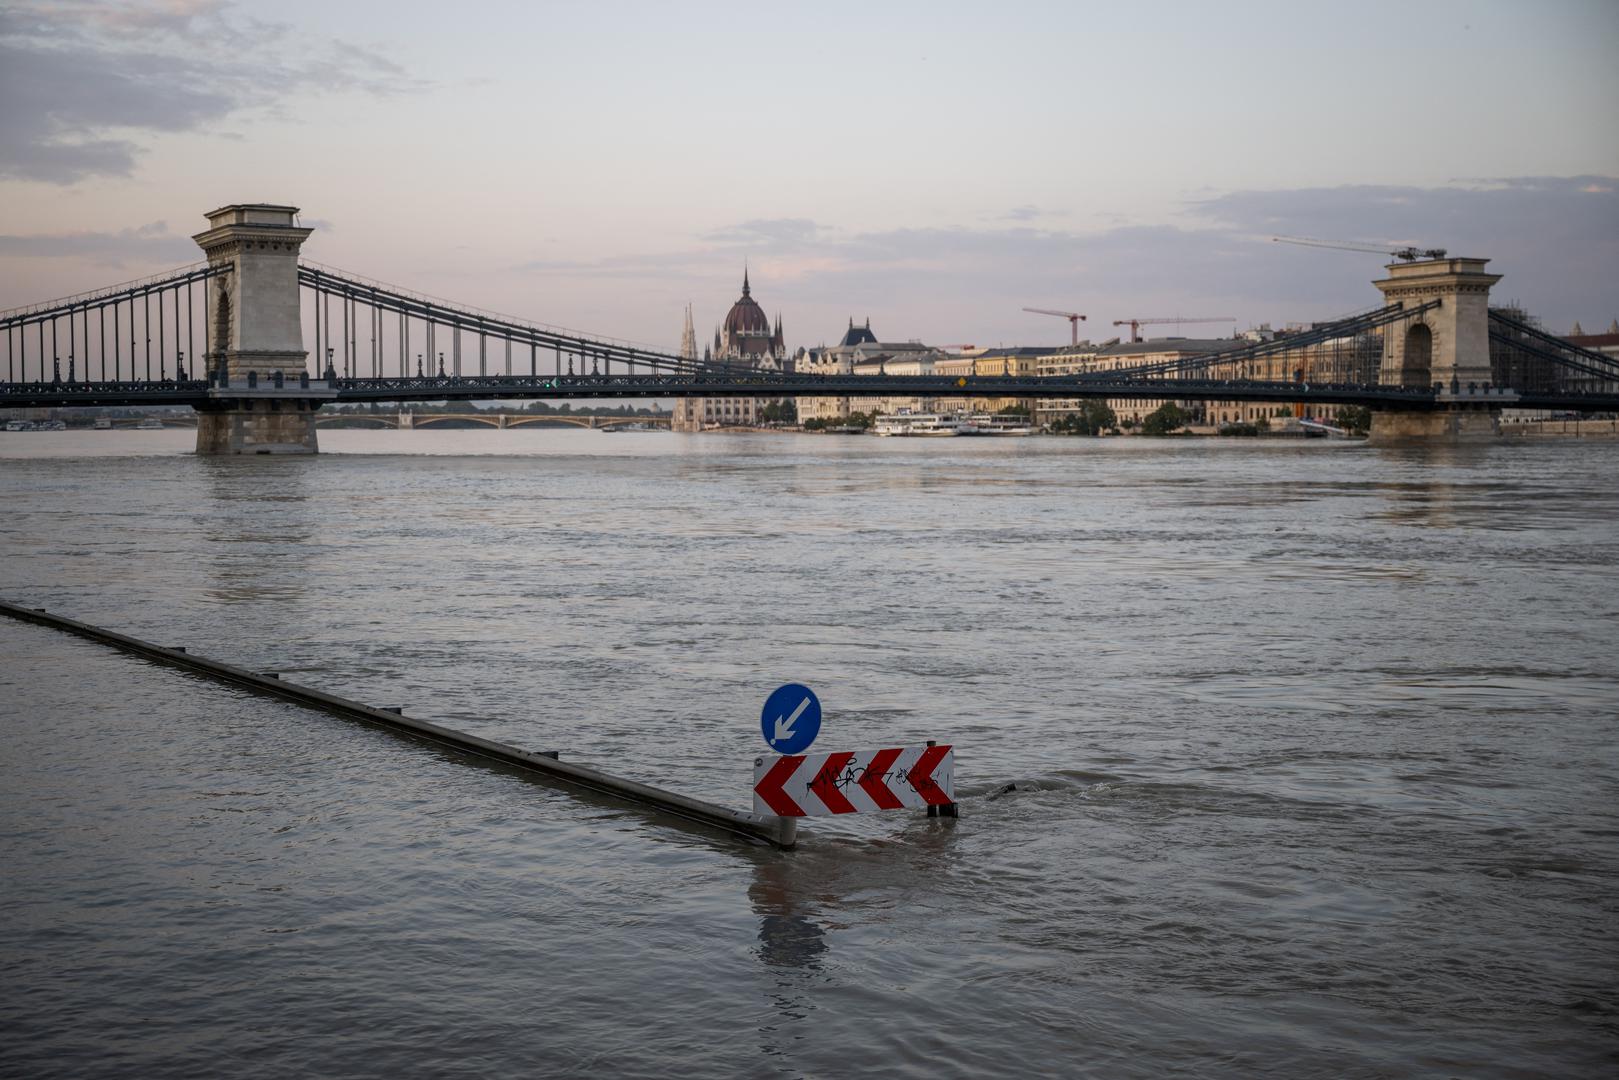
{"x": 986, "y": 424}
{"x": 925, "y": 425}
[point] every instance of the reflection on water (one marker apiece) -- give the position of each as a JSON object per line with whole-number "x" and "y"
{"x": 1275, "y": 760}
{"x": 256, "y": 532}
{"x": 790, "y": 935}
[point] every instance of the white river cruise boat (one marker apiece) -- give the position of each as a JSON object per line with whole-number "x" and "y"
{"x": 986, "y": 424}
{"x": 930, "y": 425}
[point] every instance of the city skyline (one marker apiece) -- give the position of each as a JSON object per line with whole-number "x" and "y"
{"x": 932, "y": 168}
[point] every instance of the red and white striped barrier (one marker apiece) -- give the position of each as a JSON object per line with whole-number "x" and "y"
{"x": 854, "y": 782}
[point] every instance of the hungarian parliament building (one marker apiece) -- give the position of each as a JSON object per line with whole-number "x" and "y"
{"x": 745, "y": 339}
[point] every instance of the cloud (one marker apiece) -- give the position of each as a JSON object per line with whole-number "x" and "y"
{"x": 768, "y": 233}
{"x": 176, "y": 16}
{"x": 1450, "y": 216}
{"x": 85, "y": 82}
{"x": 145, "y": 244}
{"x": 648, "y": 266}
{"x": 1555, "y": 240}
{"x": 1025, "y": 212}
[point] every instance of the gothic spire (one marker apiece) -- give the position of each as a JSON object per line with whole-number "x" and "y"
{"x": 745, "y": 289}
{"x": 688, "y": 339}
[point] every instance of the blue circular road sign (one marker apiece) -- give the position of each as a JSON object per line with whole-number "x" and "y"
{"x": 791, "y": 719}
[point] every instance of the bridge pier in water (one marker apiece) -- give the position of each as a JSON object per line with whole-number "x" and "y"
{"x": 1447, "y": 348}
{"x": 260, "y": 399}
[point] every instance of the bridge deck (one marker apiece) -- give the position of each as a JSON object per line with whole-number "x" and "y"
{"x": 202, "y": 395}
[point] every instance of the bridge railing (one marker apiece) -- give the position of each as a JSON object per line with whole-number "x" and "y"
{"x": 64, "y": 303}
{"x": 203, "y": 394}
{"x": 73, "y": 339}
{"x": 419, "y": 321}
{"x": 338, "y": 277}
{"x": 1323, "y": 351}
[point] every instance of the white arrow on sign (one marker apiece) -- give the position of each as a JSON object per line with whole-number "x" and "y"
{"x": 784, "y": 724}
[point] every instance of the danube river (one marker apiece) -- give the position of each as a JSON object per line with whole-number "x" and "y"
{"x": 1275, "y": 759}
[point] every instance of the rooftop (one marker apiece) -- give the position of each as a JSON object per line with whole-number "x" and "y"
{"x": 858, "y": 335}
{"x": 1179, "y": 346}
{"x": 1019, "y": 351}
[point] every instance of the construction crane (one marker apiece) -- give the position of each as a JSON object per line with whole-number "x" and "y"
{"x": 1074, "y": 319}
{"x": 1404, "y": 254}
{"x": 1135, "y": 325}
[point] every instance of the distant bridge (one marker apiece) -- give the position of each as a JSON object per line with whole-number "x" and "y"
{"x": 200, "y": 393}
{"x": 489, "y": 418}
{"x": 407, "y": 420}
{"x": 1439, "y": 358}
{"x": 181, "y": 420}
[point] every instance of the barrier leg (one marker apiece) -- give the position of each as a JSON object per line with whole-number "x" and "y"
{"x": 787, "y": 832}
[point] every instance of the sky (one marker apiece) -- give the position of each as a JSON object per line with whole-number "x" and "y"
{"x": 934, "y": 167}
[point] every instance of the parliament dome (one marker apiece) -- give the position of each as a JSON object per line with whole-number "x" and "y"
{"x": 746, "y": 317}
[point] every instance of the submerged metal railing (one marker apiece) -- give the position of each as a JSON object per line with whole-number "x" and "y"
{"x": 546, "y": 765}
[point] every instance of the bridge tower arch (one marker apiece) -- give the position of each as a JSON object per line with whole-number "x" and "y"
{"x": 1447, "y": 347}
{"x": 1416, "y": 356}
{"x": 257, "y": 330}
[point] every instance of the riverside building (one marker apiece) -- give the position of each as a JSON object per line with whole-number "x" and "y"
{"x": 836, "y": 359}
{"x": 1341, "y": 360}
{"x": 1009, "y": 363}
{"x": 1608, "y": 345}
{"x": 744, "y": 341}
{"x": 860, "y": 353}
{"x": 1014, "y": 362}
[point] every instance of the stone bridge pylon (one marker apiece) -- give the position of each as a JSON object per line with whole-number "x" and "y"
{"x": 256, "y": 330}
{"x": 1447, "y": 347}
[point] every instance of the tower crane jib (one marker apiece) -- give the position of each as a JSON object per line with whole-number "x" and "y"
{"x": 1135, "y": 325}
{"x": 1074, "y": 319}
{"x": 1408, "y": 253}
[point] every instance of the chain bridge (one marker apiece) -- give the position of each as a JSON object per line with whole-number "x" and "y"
{"x": 226, "y": 337}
